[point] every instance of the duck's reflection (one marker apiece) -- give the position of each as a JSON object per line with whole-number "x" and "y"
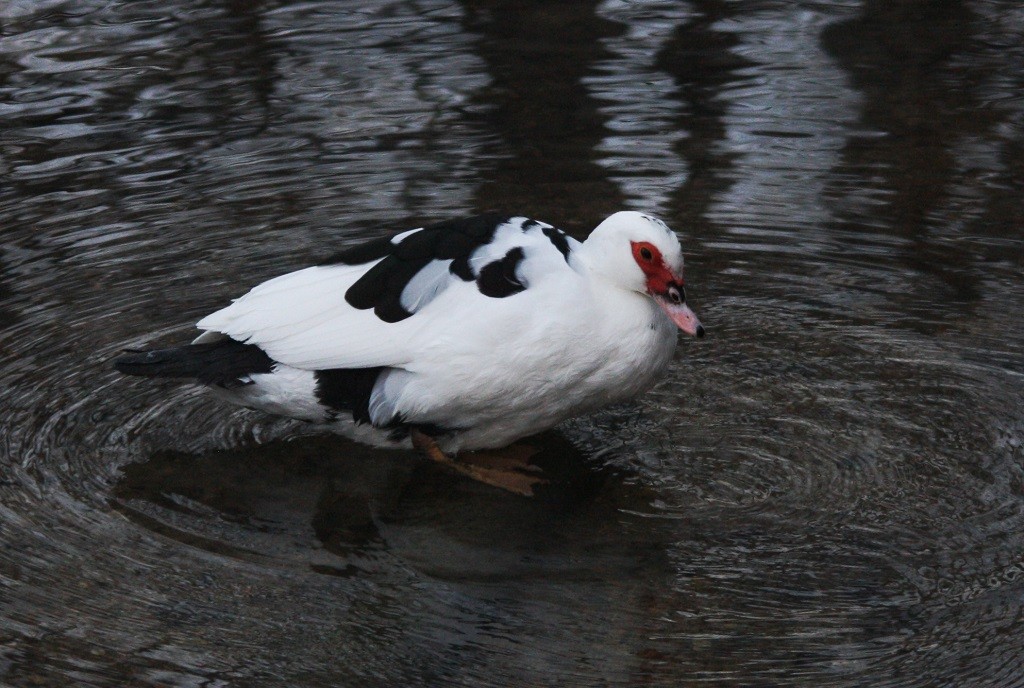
{"x": 427, "y": 558}
{"x": 328, "y": 495}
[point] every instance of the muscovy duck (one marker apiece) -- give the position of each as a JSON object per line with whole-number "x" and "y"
{"x": 463, "y": 335}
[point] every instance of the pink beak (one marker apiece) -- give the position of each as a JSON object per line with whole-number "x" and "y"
{"x": 681, "y": 315}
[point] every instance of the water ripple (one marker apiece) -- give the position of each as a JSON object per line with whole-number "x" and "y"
{"x": 826, "y": 490}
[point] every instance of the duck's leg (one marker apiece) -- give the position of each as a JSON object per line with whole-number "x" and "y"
{"x": 510, "y": 478}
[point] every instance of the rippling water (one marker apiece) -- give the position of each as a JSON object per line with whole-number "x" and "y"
{"x": 827, "y": 490}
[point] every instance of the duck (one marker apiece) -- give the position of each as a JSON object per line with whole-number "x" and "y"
{"x": 454, "y": 338}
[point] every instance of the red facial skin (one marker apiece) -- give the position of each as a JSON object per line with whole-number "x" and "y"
{"x": 666, "y": 288}
{"x": 650, "y": 260}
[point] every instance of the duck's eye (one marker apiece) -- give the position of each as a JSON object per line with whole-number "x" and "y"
{"x": 646, "y": 254}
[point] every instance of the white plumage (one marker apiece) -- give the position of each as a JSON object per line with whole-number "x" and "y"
{"x": 476, "y": 332}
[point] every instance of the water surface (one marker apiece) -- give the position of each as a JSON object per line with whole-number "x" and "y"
{"x": 827, "y": 490}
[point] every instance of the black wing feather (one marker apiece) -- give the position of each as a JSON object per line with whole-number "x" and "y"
{"x": 381, "y": 287}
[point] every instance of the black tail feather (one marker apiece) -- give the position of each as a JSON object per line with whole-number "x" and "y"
{"x": 223, "y": 363}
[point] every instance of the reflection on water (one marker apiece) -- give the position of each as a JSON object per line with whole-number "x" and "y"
{"x": 545, "y": 121}
{"x": 704, "y": 64}
{"x": 827, "y": 490}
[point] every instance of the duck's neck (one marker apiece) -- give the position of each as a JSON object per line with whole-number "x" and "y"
{"x": 592, "y": 260}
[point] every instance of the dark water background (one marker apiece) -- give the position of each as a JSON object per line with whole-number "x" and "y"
{"x": 827, "y": 490}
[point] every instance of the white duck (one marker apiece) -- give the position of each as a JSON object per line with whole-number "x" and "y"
{"x": 463, "y": 335}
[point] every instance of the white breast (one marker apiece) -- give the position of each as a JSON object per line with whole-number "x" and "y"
{"x": 528, "y": 373}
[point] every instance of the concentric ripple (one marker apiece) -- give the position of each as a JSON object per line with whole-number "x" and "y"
{"x": 826, "y": 490}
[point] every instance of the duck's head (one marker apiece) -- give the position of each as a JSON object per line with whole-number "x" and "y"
{"x": 640, "y": 253}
